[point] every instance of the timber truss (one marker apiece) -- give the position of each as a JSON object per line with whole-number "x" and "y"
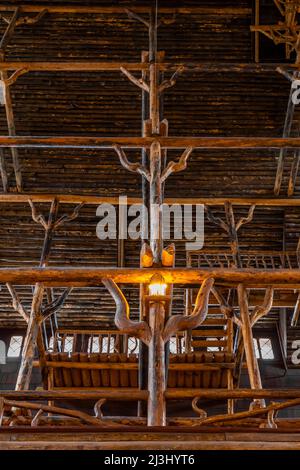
{"x": 143, "y": 378}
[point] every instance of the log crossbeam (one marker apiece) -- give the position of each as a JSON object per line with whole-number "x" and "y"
{"x": 169, "y": 142}
{"x": 92, "y": 276}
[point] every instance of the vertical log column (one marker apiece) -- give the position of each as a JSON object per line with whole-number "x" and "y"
{"x": 156, "y": 367}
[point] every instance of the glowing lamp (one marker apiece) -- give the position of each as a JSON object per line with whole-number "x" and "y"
{"x": 157, "y": 286}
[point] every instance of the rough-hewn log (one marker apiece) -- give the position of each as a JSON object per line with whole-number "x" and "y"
{"x": 221, "y": 394}
{"x": 252, "y": 364}
{"x": 96, "y": 200}
{"x": 92, "y": 276}
{"x": 251, "y": 413}
{"x": 113, "y": 394}
{"x": 17, "y": 304}
{"x": 93, "y": 66}
{"x": 25, "y": 370}
{"x": 3, "y": 172}
{"x": 156, "y": 199}
{"x": 171, "y": 142}
{"x": 55, "y": 409}
{"x": 156, "y": 415}
{"x": 28, "y": 8}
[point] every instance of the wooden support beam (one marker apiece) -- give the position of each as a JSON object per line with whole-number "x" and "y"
{"x": 117, "y": 394}
{"x": 105, "y": 9}
{"x": 96, "y": 200}
{"x": 219, "y": 394}
{"x": 93, "y": 66}
{"x": 146, "y": 142}
{"x": 93, "y": 276}
{"x": 156, "y": 415}
{"x": 252, "y": 364}
{"x": 25, "y": 370}
{"x": 114, "y": 394}
{"x": 3, "y": 172}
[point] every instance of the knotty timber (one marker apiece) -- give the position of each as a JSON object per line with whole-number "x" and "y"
{"x": 93, "y": 66}
{"x": 146, "y": 142}
{"x": 243, "y": 393}
{"x": 113, "y": 394}
{"x": 96, "y": 200}
{"x": 88, "y": 9}
{"x": 54, "y": 276}
{"x": 132, "y": 394}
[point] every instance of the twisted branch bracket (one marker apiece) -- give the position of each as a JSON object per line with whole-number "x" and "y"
{"x": 172, "y": 167}
{"x": 174, "y": 324}
{"x": 270, "y": 410}
{"x": 230, "y": 227}
{"x": 82, "y": 416}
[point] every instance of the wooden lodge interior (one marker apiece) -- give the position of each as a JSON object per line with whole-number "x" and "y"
{"x": 149, "y": 342}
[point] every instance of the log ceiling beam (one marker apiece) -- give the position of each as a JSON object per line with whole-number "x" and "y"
{"x": 122, "y": 9}
{"x": 89, "y": 142}
{"x": 98, "y": 66}
{"x": 92, "y": 276}
{"x": 88, "y": 199}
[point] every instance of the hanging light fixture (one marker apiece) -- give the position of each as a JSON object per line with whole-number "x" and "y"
{"x": 157, "y": 286}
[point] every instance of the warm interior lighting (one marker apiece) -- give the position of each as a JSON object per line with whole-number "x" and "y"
{"x": 157, "y": 285}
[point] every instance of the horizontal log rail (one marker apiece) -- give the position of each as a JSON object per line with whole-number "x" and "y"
{"x": 113, "y": 394}
{"x": 131, "y": 366}
{"x": 27, "y": 8}
{"x": 90, "y": 142}
{"x": 89, "y": 365}
{"x": 116, "y": 394}
{"x": 98, "y": 66}
{"x": 92, "y": 276}
{"x": 20, "y": 198}
{"x": 224, "y": 394}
